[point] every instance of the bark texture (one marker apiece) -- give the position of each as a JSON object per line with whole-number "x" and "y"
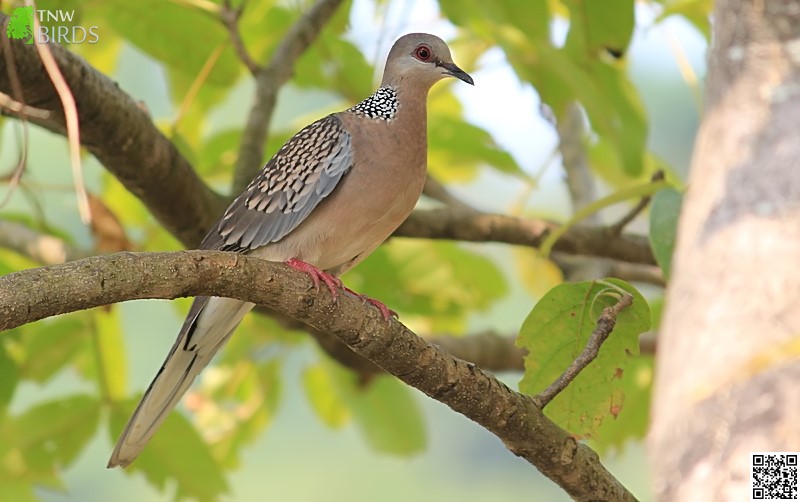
{"x": 729, "y": 353}
{"x": 462, "y": 386}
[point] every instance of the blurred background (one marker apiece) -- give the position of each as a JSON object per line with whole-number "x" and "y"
{"x": 304, "y": 445}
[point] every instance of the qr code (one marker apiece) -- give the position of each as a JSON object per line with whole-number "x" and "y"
{"x": 773, "y": 476}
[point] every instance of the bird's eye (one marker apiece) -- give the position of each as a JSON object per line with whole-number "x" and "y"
{"x": 423, "y": 53}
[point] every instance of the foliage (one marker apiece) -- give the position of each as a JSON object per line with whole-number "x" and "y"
{"x": 556, "y": 332}
{"x": 435, "y": 286}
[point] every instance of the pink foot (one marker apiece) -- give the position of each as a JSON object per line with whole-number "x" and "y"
{"x": 331, "y": 281}
{"x": 386, "y": 311}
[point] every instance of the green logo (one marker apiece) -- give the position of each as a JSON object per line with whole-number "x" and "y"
{"x": 20, "y": 26}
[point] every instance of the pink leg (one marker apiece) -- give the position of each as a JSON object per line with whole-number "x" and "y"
{"x": 386, "y": 311}
{"x": 331, "y": 281}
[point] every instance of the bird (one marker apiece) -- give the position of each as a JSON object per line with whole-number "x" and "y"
{"x": 327, "y": 199}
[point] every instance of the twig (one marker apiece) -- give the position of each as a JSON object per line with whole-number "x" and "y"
{"x": 617, "y": 227}
{"x": 448, "y": 223}
{"x": 479, "y": 396}
{"x": 16, "y": 173}
{"x": 571, "y": 131}
{"x": 268, "y": 81}
{"x": 605, "y": 325}
{"x": 8, "y": 102}
{"x": 40, "y": 247}
{"x": 630, "y": 272}
{"x": 230, "y": 18}
{"x": 71, "y": 115}
{"x": 487, "y": 350}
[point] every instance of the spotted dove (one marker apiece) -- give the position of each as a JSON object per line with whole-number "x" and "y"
{"x": 323, "y": 203}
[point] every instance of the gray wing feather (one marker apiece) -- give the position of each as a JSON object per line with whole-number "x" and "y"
{"x": 300, "y": 175}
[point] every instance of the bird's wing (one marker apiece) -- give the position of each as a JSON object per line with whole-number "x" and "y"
{"x": 303, "y": 172}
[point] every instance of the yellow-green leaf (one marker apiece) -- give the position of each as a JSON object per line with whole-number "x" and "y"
{"x": 556, "y": 332}
{"x": 628, "y": 421}
{"x": 180, "y": 36}
{"x": 109, "y": 346}
{"x": 50, "y": 345}
{"x": 665, "y": 210}
{"x": 50, "y": 435}
{"x": 323, "y": 396}
{"x": 389, "y": 417}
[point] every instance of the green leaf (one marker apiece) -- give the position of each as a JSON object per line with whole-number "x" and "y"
{"x": 109, "y": 347}
{"x": 641, "y": 190}
{"x": 383, "y": 408}
{"x": 262, "y": 27}
{"x": 9, "y": 377}
{"x": 218, "y": 153}
{"x": 617, "y": 113}
{"x": 598, "y": 26}
{"x": 527, "y": 20}
{"x": 697, "y": 12}
{"x": 443, "y": 280}
{"x": 389, "y": 417}
{"x": 455, "y": 145}
{"x": 539, "y": 275}
{"x": 335, "y": 64}
{"x": 575, "y": 72}
{"x": 180, "y": 36}
{"x": 665, "y": 210}
{"x": 631, "y": 424}
{"x": 175, "y": 453}
{"x": 49, "y": 436}
{"x": 49, "y": 347}
{"x": 556, "y": 332}
{"x": 323, "y": 397}
{"x": 16, "y": 490}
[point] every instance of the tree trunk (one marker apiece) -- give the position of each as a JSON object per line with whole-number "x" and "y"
{"x": 728, "y": 377}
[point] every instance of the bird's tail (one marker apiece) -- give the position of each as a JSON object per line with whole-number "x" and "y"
{"x": 208, "y": 326}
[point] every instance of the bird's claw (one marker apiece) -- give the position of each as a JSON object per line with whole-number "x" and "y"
{"x": 385, "y": 311}
{"x": 333, "y": 283}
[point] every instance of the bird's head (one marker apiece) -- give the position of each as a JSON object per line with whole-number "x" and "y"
{"x": 421, "y": 59}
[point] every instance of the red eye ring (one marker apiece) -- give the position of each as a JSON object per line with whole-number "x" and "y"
{"x": 423, "y": 53}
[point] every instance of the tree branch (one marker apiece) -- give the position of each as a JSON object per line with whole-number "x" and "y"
{"x": 446, "y": 223}
{"x": 42, "y": 248}
{"x": 268, "y": 82}
{"x": 230, "y": 18}
{"x": 122, "y": 137}
{"x": 636, "y": 210}
{"x": 512, "y": 417}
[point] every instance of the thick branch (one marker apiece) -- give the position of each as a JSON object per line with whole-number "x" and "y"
{"x": 446, "y": 223}
{"x": 268, "y": 81}
{"x": 117, "y": 131}
{"x": 465, "y": 388}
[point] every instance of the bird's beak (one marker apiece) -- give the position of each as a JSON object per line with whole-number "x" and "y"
{"x": 457, "y": 72}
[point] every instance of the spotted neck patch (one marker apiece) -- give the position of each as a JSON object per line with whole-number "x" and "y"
{"x": 382, "y": 105}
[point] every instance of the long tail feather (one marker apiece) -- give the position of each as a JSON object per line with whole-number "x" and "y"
{"x": 210, "y": 323}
